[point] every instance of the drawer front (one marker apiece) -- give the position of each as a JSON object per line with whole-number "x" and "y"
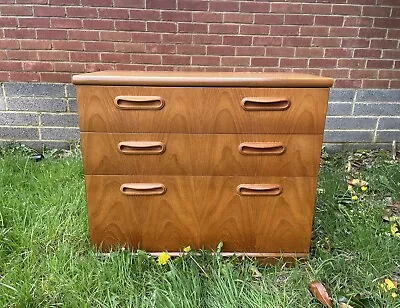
{"x": 158, "y": 213}
{"x": 201, "y": 155}
{"x": 202, "y": 110}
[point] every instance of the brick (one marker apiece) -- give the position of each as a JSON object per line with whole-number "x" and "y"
{"x": 305, "y": 52}
{"x": 219, "y": 69}
{"x": 224, "y": 28}
{"x": 285, "y": 8}
{"x": 293, "y": 62}
{"x": 34, "y": 89}
{"x": 97, "y": 24}
{"x": 355, "y": 43}
{"x": 129, "y": 3}
{"x": 384, "y": 44}
{"x": 191, "y": 49}
{"x": 67, "y": 45}
{"x": 11, "y": 65}
{"x": 354, "y": 146}
{"x": 391, "y": 54}
{"x": 20, "y": 33}
{"x": 77, "y": 56}
{"x": 380, "y": 64}
{"x": 72, "y": 105}
{"x": 146, "y": 37}
{"x": 49, "y": 11}
{"x": 338, "y": 52}
{"x": 279, "y": 51}
{"x": 267, "y": 40}
{"x": 235, "y": 61}
{"x": 39, "y": 145}
{"x": 114, "y": 13}
{"x": 24, "y": 76}
{"x": 35, "y": 44}
{"x": 130, "y": 25}
{"x": 394, "y": 84}
{"x": 395, "y": 12}
{"x": 221, "y": 50}
{"x": 316, "y": 8}
{"x": 175, "y": 59}
{"x": 59, "y": 120}
{"x": 343, "y": 123}
{"x": 161, "y": 4}
{"x": 341, "y": 9}
{"x": 376, "y": 11}
{"x": 64, "y": 2}
{"x": 206, "y": 60}
{"x": 224, "y": 6}
{"x": 93, "y": 67}
{"x": 207, "y": 17}
{"x": 37, "y": 66}
{"x": 339, "y": 109}
{"x": 284, "y": 30}
{"x": 99, "y": 46}
{"x": 314, "y": 31}
{"x": 348, "y": 136}
{"x": 59, "y": 133}
{"x": 323, "y": 63}
{"x": 389, "y": 74}
{"x": 341, "y": 95}
{"x": 387, "y": 22}
{"x": 358, "y": 21}
{"x": 297, "y": 41}
{"x": 69, "y": 67}
{"x": 329, "y": 20}
{"x": 254, "y": 7}
{"x": 347, "y": 83}
{"x": 9, "y": 44}
{"x": 53, "y": 55}
{"x": 192, "y": 28}
{"x": 250, "y": 51}
{"x": 239, "y": 18}
{"x": 160, "y": 48}
{"x": 325, "y": 42}
{"x": 192, "y": 5}
{"x": 375, "y": 84}
{"x": 343, "y": 32}
{"x": 82, "y": 12}
{"x": 266, "y": 62}
{"x": 254, "y": 29}
{"x": 52, "y": 34}
{"x": 146, "y": 59}
{"x": 18, "y": 119}
{"x": 145, "y": 14}
{"x": 372, "y": 32}
{"x": 30, "y": 1}
{"x": 164, "y": 67}
{"x": 367, "y": 53}
{"x": 70, "y": 90}
{"x": 299, "y": 19}
{"x": 387, "y": 136}
{"x": 161, "y": 26}
{"x": 389, "y": 123}
{"x": 97, "y": 2}
{"x": 115, "y": 57}
{"x": 268, "y": 19}
{"x": 21, "y": 54}
{"x": 19, "y": 133}
{"x": 237, "y": 40}
{"x": 176, "y": 16}
{"x": 55, "y": 77}
{"x": 8, "y": 22}
{"x": 378, "y": 96}
{"x": 177, "y": 38}
{"x": 129, "y": 47}
{"x": 335, "y": 73}
{"x": 36, "y": 104}
{"x": 2, "y": 101}
{"x": 16, "y": 10}
{"x": 115, "y": 36}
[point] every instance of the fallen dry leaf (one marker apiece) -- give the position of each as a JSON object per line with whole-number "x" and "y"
{"x": 357, "y": 182}
{"x": 319, "y": 291}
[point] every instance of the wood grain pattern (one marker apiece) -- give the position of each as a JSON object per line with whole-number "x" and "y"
{"x": 203, "y": 79}
{"x": 202, "y": 110}
{"x": 199, "y": 154}
{"x": 201, "y": 212}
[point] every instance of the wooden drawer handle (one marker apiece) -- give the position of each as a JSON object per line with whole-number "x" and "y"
{"x": 141, "y": 147}
{"x": 262, "y": 148}
{"x": 143, "y": 189}
{"x": 265, "y": 103}
{"x": 259, "y": 189}
{"x": 139, "y": 102}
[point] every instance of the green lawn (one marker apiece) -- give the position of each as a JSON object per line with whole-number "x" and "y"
{"x": 46, "y": 258}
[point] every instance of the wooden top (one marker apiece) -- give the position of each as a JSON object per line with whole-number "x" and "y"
{"x": 199, "y": 79}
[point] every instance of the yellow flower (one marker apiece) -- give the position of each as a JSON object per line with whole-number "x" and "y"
{"x": 394, "y": 230}
{"x": 394, "y": 294}
{"x": 364, "y": 188}
{"x": 383, "y": 287}
{"x": 390, "y": 284}
{"x": 187, "y": 249}
{"x": 354, "y": 198}
{"x": 163, "y": 258}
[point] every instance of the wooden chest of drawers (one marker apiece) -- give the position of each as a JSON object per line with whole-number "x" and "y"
{"x": 173, "y": 159}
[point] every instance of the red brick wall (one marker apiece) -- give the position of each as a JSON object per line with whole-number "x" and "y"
{"x": 354, "y": 41}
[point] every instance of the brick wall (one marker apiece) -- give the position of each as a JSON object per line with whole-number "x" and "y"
{"x": 44, "y": 42}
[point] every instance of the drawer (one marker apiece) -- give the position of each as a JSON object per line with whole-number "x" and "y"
{"x": 158, "y": 213}
{"x": 125, "y": 109}
{"x": 201, "y": 155}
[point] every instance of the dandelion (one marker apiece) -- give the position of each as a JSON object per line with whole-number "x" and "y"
{"x": 163, "y": 258}
{"x": 354, "y": 198}
{"x": 394, "y": 294}
{"x": 364, "y": 188}
{"x": 394, "y": 230}
{"x": 390, "y": 284}
{"x": 187, "y": 249}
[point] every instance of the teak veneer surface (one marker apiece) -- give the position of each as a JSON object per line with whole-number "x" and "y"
{"x": 202, "y": 79}
{"x": 201, "y": 212}
{"x": 199, "y": 154}
{"x": 202, "y": 110}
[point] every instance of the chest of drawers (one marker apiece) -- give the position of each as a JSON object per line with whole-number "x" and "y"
{"x": 173, "y": 159}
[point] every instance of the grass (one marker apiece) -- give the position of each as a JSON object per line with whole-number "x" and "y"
{"x": 46, "y": 258}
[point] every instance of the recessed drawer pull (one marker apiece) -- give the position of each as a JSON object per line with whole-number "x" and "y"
{"x": 265, "y": 103}
{"x": 262, "y": 148}
{"x": 141, "y": 147}
{"x": 139, "y": 102}
{"x": 143, "y": 189}
{"x": 259, "y": 189}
